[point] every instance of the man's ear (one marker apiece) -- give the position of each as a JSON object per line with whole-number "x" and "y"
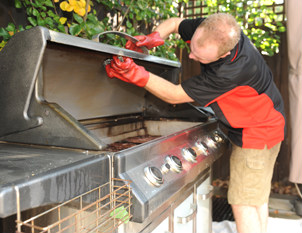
{"x": 226, "y": 54}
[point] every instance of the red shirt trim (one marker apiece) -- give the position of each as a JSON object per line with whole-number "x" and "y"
{"x": 235, "y": 54}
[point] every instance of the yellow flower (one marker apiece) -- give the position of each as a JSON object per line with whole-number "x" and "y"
{"x": 56, "y": 0}
{"x": 80, "y": 11}
{"x": 81, "y": 3}
{"x": 63, "y": 20}
{"x": 65, "y": 6}
{"x": 73, "y": 2}
{"x": 78, "y": 6}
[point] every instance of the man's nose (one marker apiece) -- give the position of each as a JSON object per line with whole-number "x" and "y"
{"x": 191, "y": 56}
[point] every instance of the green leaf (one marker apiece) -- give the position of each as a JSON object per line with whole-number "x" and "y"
{"x": 18, "y": 4}
{"x": 78, "y": 18}
{"x": 36, "y": 12}
{"x": 50, "y": 13}
{"x": 48, "y": 3}
{"x": 75, "y": 29}
{"x": 282, "y": 29}
{"x": 3, "y": 32}
{"x": 29, "y": 11}
{"x": 92, "y": 18}
{"x": 32, "y": 21}
{"x": 129, "y": 25}
{"x": 61, "y": 28}
{"x": 49, "y": 21}
{"x": 11, "y": 27}
{"x": 40, "y": 21}
{"x": 56, "y": 18}
{"x": 39, "y": 3}
{"x": 120, "y": 213}
{"x": 20, "y": 28}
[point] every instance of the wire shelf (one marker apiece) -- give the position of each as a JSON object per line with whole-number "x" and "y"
{"x": 102, "y": 209}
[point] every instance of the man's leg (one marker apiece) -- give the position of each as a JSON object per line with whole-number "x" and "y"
{"x": 263, "y": 215}
{"x": 250, "y": 181}
{"x": 251, "y": 219}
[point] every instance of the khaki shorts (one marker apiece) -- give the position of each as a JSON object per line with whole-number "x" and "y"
{"x": 251, "y": 172}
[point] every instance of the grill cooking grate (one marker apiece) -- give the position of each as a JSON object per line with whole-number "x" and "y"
{"x": 130, "y": 142}
{"x": 101, "y": 209}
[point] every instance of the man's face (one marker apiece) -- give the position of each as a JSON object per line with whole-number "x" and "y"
{"x": 206, "y": 53}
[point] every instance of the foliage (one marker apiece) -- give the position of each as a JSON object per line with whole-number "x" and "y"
{"x": 86, "y": 18}
{"x": 258, "y": 21}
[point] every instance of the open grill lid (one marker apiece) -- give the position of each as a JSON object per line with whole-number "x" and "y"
{"x": 50, "y": 81}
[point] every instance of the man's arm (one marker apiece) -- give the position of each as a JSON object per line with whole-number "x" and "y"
{"x": 157, "y": 37}
{"x": 168, "y": 27}
{"x": 161, "y": 88}
{"x": 167, "y": 91}
{"x": 128, "y": 71}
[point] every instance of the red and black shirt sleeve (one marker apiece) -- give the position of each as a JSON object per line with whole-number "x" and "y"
{"x": 241, "y": 91}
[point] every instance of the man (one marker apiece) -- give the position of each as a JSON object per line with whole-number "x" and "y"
{"x": 236, "y": 82}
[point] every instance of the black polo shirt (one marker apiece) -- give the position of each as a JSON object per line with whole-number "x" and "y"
{"x": 241, "y": 91}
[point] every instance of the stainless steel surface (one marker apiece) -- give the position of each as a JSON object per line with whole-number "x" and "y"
{"x": 67, "y": 101}
{"x": 53, "y": 80}
{"x": 188, "y": 218}
{"x": 20, "y": 68}
{"x": 122, "y": 34}
{"x": 130, "y": 164}
{"x": 100, "y": 47}
{"x": 206, "y": 193}
{"x": 166, "y": 210}
{"x": 44, "y": 176}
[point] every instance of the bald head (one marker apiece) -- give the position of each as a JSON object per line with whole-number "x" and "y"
{"x": 221, "y": 29}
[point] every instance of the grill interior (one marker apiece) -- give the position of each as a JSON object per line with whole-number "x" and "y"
{"x": 122, "y": 132}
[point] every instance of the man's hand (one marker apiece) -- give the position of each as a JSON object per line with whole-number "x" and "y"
{"x": 150, "y": 41}
{"x": 127, "y": 71}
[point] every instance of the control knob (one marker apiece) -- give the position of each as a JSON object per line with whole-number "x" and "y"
{"x": 175, "y": 163}
{"x": 202, "y": 147}
{"x": 154, "y": 176}
{"x": 189, "y": 154}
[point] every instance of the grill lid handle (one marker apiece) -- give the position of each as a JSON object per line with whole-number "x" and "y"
{"x": 96, "y": 38}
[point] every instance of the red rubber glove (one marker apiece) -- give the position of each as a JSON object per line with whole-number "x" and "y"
{"x": 150, "y": 41}
{"x": 127, "y": 71}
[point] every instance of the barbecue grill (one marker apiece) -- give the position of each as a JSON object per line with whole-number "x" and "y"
{"x": 66, "y": 128}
